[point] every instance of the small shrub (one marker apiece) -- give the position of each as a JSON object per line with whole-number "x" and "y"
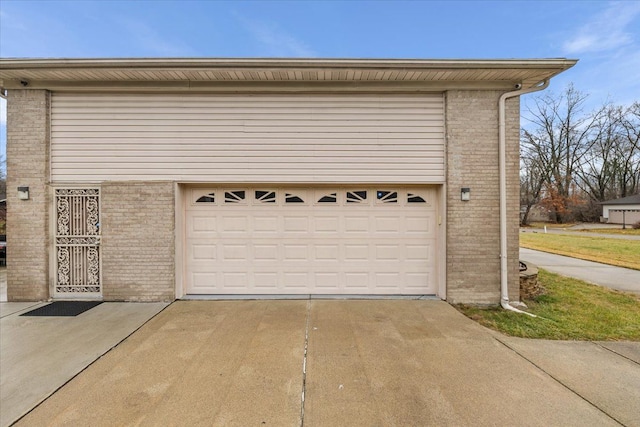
{"x": 636, "y": 226}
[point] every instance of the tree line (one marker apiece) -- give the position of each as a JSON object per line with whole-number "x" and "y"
{"x": 571, "y": 159}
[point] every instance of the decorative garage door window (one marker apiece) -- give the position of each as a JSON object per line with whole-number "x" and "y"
{"x": 387, "y": 196}
{"x": 289, "y": 197}
{"x": 265, "y": 196}
{"x": 209, "y": 198}
{"x": 77, "y": 241}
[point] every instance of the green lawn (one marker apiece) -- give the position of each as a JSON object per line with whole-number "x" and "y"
{"x": 627, "y": 231}
{"x": 623, "y": 253}
{"x": 570, "y": 310}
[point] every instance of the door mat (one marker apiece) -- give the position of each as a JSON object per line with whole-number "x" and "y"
{"x": 63, "y": 308}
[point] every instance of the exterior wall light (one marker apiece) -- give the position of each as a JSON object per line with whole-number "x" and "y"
{"x": 465, "y": 194}
{"x": 23, "y": 193}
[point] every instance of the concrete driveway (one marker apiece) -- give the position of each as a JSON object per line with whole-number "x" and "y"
{"x": 344, "y": 363}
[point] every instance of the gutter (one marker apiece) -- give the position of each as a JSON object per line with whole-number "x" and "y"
{"x": 504, "y": 283}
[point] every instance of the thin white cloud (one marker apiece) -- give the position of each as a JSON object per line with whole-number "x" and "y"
{"x": 275, "y": 40}
{"x": 605, "y": 32}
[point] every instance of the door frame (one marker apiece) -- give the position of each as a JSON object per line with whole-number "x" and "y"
{"x": 183, "y": 189}
{"x": 52, "y": 244}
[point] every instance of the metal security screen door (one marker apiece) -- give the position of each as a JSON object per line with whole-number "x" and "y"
{"x": 77, "y": 243}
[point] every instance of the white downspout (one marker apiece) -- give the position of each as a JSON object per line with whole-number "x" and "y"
{"x": 504, "y": 283}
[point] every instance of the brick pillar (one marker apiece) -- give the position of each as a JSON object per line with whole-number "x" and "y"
{"x": 473, "y": 227}
{"x": 28, "y": 123}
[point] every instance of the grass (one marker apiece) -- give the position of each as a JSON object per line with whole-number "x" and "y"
{"x": 622, "y": 253}
{"x": 628, "y": 231}
{"x": 570, "y": 310}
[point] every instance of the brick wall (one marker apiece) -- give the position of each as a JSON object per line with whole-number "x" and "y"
{"x": 473, "y": 227}
{"x": 138, "y": 241}
{"x": 28, "y": 122}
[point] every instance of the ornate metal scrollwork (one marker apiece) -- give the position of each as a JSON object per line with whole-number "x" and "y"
{"x": 63, "y": 216}
{"x": 77, "y": 240}
{"x": 64, "y": 267}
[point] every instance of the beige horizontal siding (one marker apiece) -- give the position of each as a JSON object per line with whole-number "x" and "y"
{"x": 247, "y": 138}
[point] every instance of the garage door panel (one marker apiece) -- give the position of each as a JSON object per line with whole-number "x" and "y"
{"x": 266, "y": 281}
{"x": 234, "y": 224}
{"x": 327, "y": 225}
{"x": 295, "y": 252}
{"x": 387, "y": 224}
{"x": 419, "y": 225}
{"x": 265, "y": 252}
{"x": 326, "y": 252}
{"x": 356, "y": 224}
{"x": 204, "y": 251}
{"x": 417, "y": 253}
{"x": 265, "y": 224}
{"x": 334, "y": 247}
{"x": 295, "y": 280}
{"x": 236, "y": 280}
{"x": 203, "y": 224}
{"x": 203, "y": 281}
{"x": 235, "y": 252}
{"x": 296, "y": 224}
{"x": 356, "y": 252}
{"x": 327, "y": 282}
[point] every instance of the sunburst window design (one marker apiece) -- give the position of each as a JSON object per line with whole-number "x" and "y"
{"x": 209, "y": 198}
{"x": 329, "y": 198}
{"x": 356, "y": 196}
{"x": 234, "y": 196}
{"x": 387, "y": 196}
{"x": 292, "y": 198}
{"x": 265, "y": 196}
{"x": 412, "y": 198}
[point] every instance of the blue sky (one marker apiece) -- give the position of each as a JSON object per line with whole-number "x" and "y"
{"x": 604, "y": 36}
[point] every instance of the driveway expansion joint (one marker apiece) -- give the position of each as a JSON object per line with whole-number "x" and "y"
{"x": 558, "y": 380}
{"x": 304, "y": 363}
{"x": 615, "y": 352}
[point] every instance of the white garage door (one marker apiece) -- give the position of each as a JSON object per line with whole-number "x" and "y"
{"x": 267, "y": 240}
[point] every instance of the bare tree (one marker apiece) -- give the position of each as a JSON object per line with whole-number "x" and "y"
{"x": 602, "y": 162}
{"x": 611, "y": 168}
{"x": 532, "y": 181}
{"x": 559, "y": 137}
{"x": 629, "y": 172}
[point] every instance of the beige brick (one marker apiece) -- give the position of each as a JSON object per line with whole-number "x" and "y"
{"x": 28, "y": 220}
{"x": 138, "y": 241}
{"x": 473, "y": 227}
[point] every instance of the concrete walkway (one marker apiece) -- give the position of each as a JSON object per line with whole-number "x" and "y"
{"x": 40, "y": 354}
{"x": 623, "y": 279}
{"x": 355, "y": 363}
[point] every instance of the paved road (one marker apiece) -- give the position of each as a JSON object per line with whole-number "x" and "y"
{"x": 624, "y": 279}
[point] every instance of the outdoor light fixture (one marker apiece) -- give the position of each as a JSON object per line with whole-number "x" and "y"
{"x": 23, "y": 193}
{"x": 465, "y": 194}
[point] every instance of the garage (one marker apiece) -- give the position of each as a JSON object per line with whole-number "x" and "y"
{"x": 155, "y": 179}
{"x": 378, "y": 240}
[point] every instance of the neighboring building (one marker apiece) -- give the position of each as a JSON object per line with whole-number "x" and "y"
{"x": 622, "y": 211}
{"x": 156, "y": 179}
{"x": 537, "y": 213}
